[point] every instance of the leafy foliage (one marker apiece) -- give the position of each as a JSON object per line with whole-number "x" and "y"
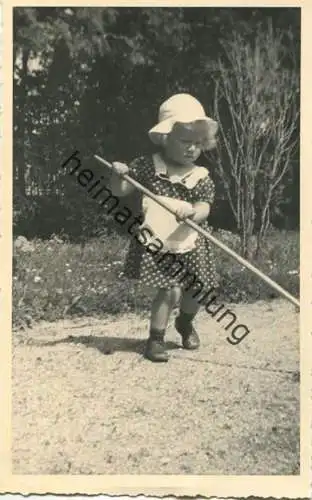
{"x": 93, "y": 78}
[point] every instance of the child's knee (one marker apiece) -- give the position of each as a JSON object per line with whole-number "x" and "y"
{"x": 177, "y": 292}
{"x": 188, "y": 295}
{"x": 170, "y": 295}
{"x": 173, "y": 295}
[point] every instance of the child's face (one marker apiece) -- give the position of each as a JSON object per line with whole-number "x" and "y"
{"x": 185, "y": 142}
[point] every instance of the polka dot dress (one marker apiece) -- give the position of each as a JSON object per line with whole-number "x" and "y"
{"x": 185, "y": 270}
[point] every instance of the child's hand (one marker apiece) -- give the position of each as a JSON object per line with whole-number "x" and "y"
{"x": 120, "y": 168}
{"x": 184, "y": 212}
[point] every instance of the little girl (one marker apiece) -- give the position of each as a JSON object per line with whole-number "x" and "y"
{"x": 182, "y": 133}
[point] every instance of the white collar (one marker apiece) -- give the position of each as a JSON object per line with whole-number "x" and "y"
{"x": 189, "y": 180}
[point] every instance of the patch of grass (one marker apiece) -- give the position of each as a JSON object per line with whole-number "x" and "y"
{"x": 279, "y": 260}
{"x": 57, "y": 279}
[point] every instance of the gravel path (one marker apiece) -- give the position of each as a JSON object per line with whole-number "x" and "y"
{"x": 86, "y": 402}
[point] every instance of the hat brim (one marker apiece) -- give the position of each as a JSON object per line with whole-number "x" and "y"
{"x": 166, "y": 126}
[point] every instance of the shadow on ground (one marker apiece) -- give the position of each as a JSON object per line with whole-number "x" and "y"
{"x": 106, "y": 345}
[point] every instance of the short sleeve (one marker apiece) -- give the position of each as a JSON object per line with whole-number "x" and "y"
{"x": 204, "y": 191}
{"x": 140, "y": 169}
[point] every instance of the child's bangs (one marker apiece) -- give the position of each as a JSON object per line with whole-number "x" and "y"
{"x": 197, "y": 130}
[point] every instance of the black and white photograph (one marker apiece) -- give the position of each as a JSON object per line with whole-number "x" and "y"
{"x": 156, "y": 241}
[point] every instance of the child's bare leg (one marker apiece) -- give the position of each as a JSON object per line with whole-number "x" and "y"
{"x": 162, "y": 307}
{"x": 189, "y": 305}
{"x": 188, "y": 309}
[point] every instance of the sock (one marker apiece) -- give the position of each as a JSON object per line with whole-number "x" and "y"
{"x": 185, "y": 318}
{"x": 157, "y": 334}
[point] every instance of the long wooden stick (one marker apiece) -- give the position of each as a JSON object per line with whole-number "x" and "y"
{"x": 207, "y": 235}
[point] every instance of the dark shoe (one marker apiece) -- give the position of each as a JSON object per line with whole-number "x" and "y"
{"x": 190, "y": 338}
{"x": 155, "y": 350}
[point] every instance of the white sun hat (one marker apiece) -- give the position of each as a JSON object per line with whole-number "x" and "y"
{"x": 182, "y": 108}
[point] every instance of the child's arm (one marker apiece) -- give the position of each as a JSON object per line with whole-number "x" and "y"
{"x": 119, "y": 186}
{"x": 202, "y": 211}
{"x": 197, "y": 213}
{"x": 205, "y": 192}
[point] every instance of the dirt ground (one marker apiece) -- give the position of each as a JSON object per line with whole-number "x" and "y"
{"x": 86, "y": 402}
